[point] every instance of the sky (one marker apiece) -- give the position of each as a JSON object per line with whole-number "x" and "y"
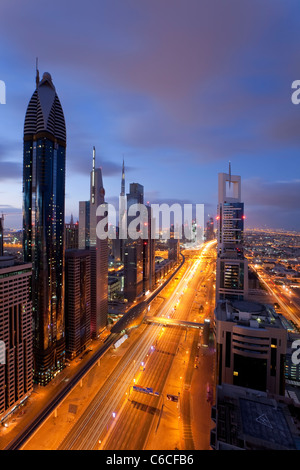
{"x": 178, "y": 88}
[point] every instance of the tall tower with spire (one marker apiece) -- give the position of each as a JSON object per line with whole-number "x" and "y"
{"x": 44, "y": 167}
{"x": 120, "y": 242}
{"x": 123, "y": 180}
{"x": 232, "y": 267}
{"x": 99, "y": 254}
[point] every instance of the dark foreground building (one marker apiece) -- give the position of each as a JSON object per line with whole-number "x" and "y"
{"x": 78, "y": 301}
{"x": 247, "y": 419}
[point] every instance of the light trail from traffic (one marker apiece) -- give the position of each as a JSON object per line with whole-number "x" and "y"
{"x": 140, "y": 417}
{"x": 284, "y": 303}
{"x": 103, "y": 412}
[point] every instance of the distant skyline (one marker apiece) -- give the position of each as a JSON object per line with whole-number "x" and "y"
{"x": 176, "y": 88}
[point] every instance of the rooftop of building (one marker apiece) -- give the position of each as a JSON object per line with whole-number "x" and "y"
{"x": 248, "y": 313}
{"x": 76, "y": 253}
{"x": 251, "y": 419}
{"x": 8, "y": 261}
{"x": 9, "y": 264}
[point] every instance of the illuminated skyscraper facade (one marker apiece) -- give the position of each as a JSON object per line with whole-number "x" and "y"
{"x": 43, "y": 224}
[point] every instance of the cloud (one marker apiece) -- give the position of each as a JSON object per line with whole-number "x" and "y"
{"x": 10, "y": 171}
{"x": 272, "y": 204}
{"x": 206, "y": 80}
{"x": 280, "y": 194}
{"x": 83, "y": 166}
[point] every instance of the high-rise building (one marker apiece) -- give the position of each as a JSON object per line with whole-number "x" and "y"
{"x": 232, "y": 266}
{"x": 99, "y": 250}
{"x": 123, "y": 180}
{"x": 1, "y": 234}
{"x": 78, "y": 301}
{"x": 99, "y": 255}
{"x": 136, "y": 194}
{"x": 149, "y": 255}
{"x": 16, "y": 370}
{"x": 173, "y": 246}
{"x": 210, "y": 234}
{"x": 118, "y": 243}
{"x": 139, "y": 254}
{"x": 84, "y": 225}
{"x": 116, "y": 246}
{"x": 71, "y": 234}
{"x": 133, "y": 250}
{"x": 43, "y": 224}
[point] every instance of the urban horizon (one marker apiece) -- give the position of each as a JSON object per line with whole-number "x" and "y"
{"x": 149, "y": 294}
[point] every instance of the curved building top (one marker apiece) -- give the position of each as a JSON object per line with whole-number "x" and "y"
{"x": 44, "y": 112}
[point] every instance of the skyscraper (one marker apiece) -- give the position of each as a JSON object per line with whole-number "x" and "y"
{"x": 43, "y": 224}
{"x": 123, "y": 180}
{"x": 149, "y": 255}
{"x": 133, "y": 250}
{"x": 232, "y": 266}
{"x": 99, "y": 255}
{"x": 71, "y": 235}
{"x": 173, "y": 246}
{"x": 84, "y": 225}
{"x": 119, "y": 243}
{"x": 210, "y": 230}
{"x": 78, "y": 301}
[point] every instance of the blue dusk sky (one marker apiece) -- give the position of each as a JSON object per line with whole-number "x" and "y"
{"x": 176, "y": 87}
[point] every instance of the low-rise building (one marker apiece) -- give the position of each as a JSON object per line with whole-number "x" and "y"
{"x": 248, "y": 419}
{"x": 251, "y": 342}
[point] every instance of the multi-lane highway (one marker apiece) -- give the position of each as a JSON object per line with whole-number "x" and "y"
{"x": 70, "y": 381}
{"x": 118, "y": 417}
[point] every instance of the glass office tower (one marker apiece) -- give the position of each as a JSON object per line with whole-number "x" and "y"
{"x": 43, "y": 224}
{"x": 232, "y": 266}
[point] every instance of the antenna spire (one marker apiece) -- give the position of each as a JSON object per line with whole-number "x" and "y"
{"x": 37, "y": 76}
{"x": 229, "y": 173}
{"x": 123, "y": 179}
{"x": 93, "y": 176}
{"x": 94, "y": 158}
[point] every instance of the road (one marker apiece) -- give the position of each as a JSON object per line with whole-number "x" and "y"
{"x": 118, "y": 417}
{"x": 47, "y": 400}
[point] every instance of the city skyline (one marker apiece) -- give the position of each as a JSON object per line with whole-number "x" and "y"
{"x": 147, "y": 90}
{"x": 149, "y": 227}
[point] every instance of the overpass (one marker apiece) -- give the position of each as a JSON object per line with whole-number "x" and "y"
{"x": 173, "y": 322}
